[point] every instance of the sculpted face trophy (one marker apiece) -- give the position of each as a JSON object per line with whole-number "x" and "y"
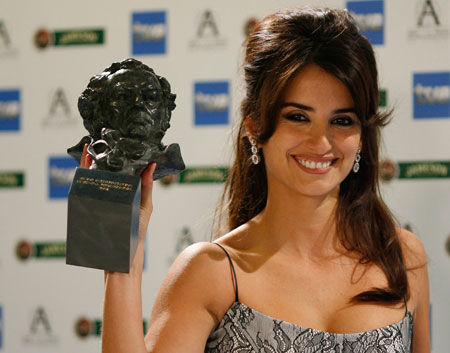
{"x": 126, "y": 110}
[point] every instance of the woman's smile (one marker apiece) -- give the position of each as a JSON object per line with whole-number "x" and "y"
{"x": 314, "y": 165}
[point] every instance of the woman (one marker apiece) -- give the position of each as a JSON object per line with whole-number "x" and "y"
{"x": 313, "y": 261}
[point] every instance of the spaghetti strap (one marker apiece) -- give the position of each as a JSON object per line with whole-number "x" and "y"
{"x": 232, "y": 268}
{"x": 406, "y": 306}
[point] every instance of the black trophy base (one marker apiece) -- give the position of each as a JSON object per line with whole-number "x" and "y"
{"x": 103, "y": 220}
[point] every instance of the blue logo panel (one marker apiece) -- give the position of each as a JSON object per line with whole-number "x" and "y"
{"x": 369, "y": 16}
{"x": 9, "y": 110}
{"x": 60, "y": 174}
{"x": 431, "y": 93}
{"x": 149, "y": 32}
{"x": 211, "y": 103}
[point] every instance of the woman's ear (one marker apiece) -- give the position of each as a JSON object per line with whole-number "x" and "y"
{"x": 251, "y": 128}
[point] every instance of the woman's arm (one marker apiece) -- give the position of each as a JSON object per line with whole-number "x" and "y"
{"x": 193, "y": 298}
{"x": 122, "y": 312}
{"x": 196, "y": 291}
{"x": 195, "y": 294}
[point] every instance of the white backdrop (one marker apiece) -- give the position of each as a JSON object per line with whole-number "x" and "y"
{"x": 41, "y": 298}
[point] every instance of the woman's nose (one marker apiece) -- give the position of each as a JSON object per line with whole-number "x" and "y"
{"x": 319, "y": 140}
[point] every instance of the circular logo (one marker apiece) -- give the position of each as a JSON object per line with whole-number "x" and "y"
{"x": 43, "y": 38}
{"x": 24, "y": 250}
{"x": 167, "y": 180}
{"x": 83, "y": 327}
{"x": 250, "y": 26}
{"x": 447, "y": 245}
{"x": 388, "y": 170}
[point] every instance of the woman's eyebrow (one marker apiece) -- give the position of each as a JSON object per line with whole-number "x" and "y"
{"x": 298, "y": 105}
{"x": 311, "y": 109}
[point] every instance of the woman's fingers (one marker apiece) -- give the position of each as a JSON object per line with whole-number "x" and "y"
{"x": 83, "y": 157}
{"x": 146, "y": 199}
{"x": 147, "y": 186}
{"x": 86, "y": 158}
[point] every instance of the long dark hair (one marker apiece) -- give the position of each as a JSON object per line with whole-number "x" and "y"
{"x": 281, "y": 45}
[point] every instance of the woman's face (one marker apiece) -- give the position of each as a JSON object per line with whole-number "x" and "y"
{"x": 316, "y": 137}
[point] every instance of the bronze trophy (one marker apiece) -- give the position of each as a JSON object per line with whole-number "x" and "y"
{"x": 126, "y": 110}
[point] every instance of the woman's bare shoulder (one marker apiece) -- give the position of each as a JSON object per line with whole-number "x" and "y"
{"x": 208, "y": 257}
{"x": 200, "y": 251}
{"x": 416, "y": 269}
{"x": 200, "y": 259}
{"x": 200, "y": 276}
{"x": 194, "y": 296}
{"x": 413, "y": 250}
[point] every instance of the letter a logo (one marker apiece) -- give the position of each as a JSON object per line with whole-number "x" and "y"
{"x": 59, "y": 100}
{"x": 4, "y": 35}
{"x": 207, "y": 22}
{"x": 59, "y": 112}
{"x": 428, "y": 9}
{"x": 40, "y": 318}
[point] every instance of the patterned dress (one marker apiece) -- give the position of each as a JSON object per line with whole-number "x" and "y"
{"x": 244, "y": 330}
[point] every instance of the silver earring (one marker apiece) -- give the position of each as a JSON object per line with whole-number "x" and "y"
{"x": 254, "y": 149}
{"x": 357, "y": 159}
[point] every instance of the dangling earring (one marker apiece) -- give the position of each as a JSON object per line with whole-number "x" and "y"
{"x": 357, "y": 159}
{"x": 254, "y": 149}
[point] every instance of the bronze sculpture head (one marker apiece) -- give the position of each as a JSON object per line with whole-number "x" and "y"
{"x": 127, "y": 110}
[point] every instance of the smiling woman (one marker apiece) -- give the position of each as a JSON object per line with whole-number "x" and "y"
{"x": 313, "y": 260}
{"x": 311, "y": 108}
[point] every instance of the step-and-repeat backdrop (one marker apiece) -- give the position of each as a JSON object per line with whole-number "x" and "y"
{"x": 48, "y": 51}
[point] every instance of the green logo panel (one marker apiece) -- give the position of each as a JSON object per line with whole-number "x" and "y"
{"x": 48, "y": 250}
{"x": 203, "y": 175}
{"x": 12, "y": 179}
{"x": 79, "y": 37}
{"x": 424, "y": 170}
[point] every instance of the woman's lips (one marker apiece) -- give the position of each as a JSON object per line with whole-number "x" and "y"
{"x": 315, "y": 165}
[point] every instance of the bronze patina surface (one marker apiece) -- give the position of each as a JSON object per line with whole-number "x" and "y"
{"x": 126, "y": 110}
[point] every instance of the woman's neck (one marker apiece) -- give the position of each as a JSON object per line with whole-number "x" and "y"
{"x": 300, "y": 225}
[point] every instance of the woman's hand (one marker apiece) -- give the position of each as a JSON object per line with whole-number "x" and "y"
{"x": 146, "y": 191}
{"x": 86, "y": 159}
{"x": 146, "y": 199}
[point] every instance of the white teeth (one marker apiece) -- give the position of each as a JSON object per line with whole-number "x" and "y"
{"x": 314, "y": 165}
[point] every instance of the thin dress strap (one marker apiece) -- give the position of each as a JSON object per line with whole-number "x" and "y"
{"x": 406, "y": 306}
{"x": 232, "y": 268}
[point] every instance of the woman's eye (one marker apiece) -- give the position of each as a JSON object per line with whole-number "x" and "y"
{"x": 343, "y": 121}
{"x": 295, "y": 117}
